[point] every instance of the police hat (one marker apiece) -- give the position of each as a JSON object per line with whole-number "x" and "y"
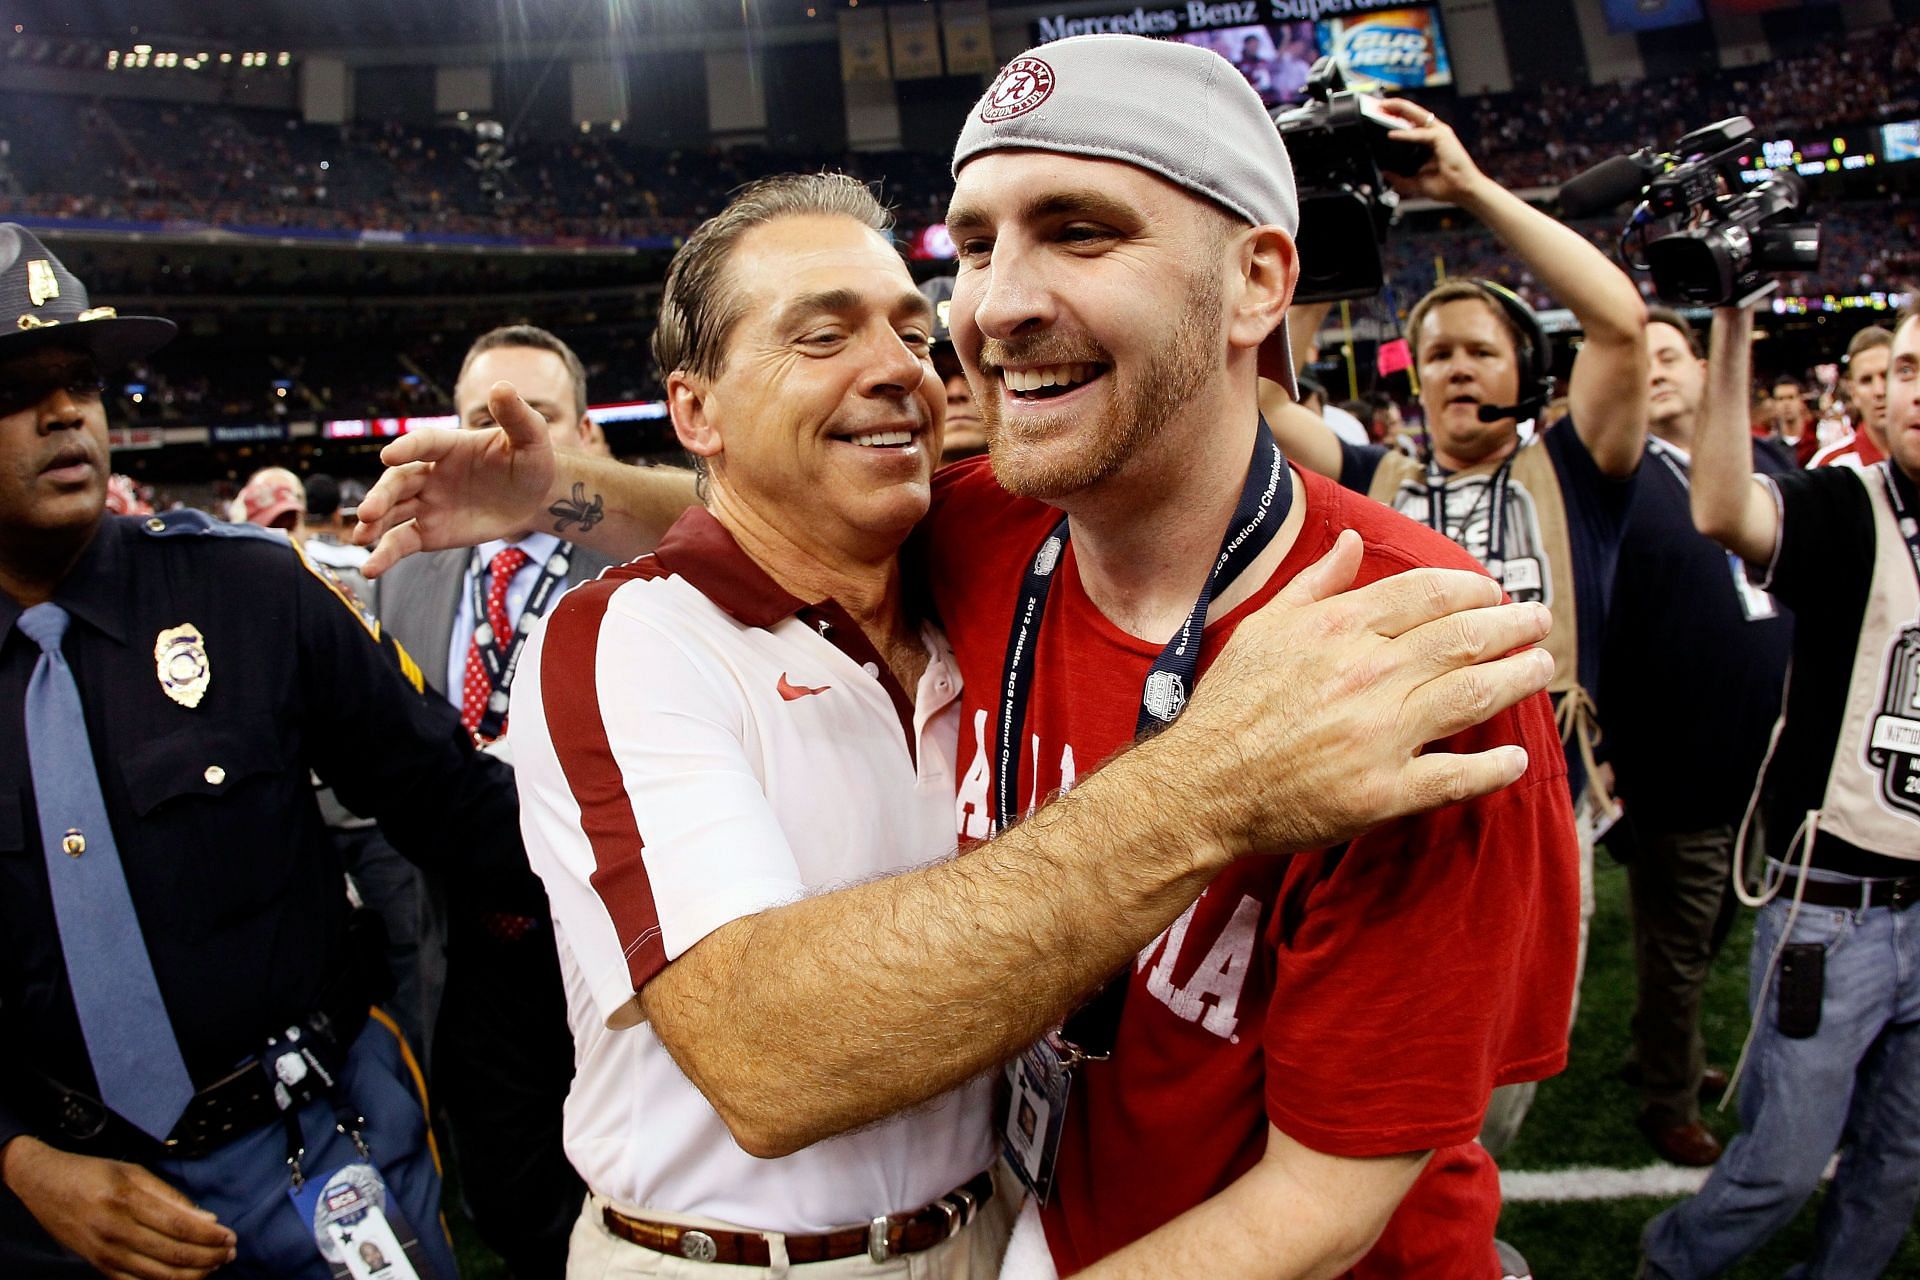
{"x": 42, "y": 304}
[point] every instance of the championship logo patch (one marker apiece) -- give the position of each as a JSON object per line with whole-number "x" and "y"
{"x": 1048, "y": 557}
{"x": 1165, "y": 695}
{"x": 1894, "y": 745}
{"x": 1022, "y": 85}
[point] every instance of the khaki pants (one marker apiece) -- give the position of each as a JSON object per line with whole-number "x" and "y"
{"x": 972, "y": 1254}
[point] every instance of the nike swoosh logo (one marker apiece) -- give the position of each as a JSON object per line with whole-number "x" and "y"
{"x": 792, "y": 692}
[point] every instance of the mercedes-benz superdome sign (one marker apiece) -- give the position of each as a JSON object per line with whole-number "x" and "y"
{"x": 1197, "y": 15}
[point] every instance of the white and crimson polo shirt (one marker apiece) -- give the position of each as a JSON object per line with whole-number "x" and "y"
{"x": 695, "y": 745}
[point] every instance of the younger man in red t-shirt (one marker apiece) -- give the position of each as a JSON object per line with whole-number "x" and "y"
{"x": 1329, "y": 1019}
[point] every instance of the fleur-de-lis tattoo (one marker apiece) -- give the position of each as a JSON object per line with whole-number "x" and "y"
{"x": 576, "y": 510}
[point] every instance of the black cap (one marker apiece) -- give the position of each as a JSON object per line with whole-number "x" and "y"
{"x": 323, "y": 496}
{"x": 42, "y": 304}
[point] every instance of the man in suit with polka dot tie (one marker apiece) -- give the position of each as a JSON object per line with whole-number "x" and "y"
{"x": 502, "y": 1054}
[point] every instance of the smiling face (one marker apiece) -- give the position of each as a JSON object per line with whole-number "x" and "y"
{"x": 825, "y": 411}
{"x": 1088, "y": 309}
{"x": 1466, "y": 358}
{"x": 53, "y": 445}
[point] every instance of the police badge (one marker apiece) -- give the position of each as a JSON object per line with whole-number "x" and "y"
{"x": 180, "y": 657}
{"x": 1894, "y": 747}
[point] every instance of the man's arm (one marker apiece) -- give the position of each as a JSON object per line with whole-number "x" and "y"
{"x": 1303, "y": 434}
{"x": 461, "y": 488}
{"x": 1608, "y": 395}
{"x": 393, "y": 750}
{"x": 813, "y": 1018}
{"x": 1296, "y": 1215}
{"x": 119, "y": 1218}
{"x": 1731, "y": 505}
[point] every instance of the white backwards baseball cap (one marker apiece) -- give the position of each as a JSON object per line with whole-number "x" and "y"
{"x": 1176, "y": 110}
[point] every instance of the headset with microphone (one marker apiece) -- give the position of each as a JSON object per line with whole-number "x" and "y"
{"x": 1536, "y": 360}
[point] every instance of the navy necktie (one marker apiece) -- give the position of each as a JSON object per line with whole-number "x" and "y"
{"x": 136, "y": 1061}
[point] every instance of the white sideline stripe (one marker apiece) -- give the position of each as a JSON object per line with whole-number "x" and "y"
{"x": 1592, "y": 1183}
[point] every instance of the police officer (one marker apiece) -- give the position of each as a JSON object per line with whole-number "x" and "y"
{"x": 193, "y": 1078}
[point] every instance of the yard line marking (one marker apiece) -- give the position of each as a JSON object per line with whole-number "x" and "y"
{"x": 1659, "y": 1181}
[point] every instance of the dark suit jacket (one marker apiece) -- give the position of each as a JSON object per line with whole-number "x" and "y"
{"x": 419, "y": 597}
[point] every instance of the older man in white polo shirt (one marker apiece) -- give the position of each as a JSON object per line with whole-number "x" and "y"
{"x": 698, "y": 743}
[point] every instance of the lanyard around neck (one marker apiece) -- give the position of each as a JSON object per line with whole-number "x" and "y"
{"x": 499, "y": 665}
{"x": 1264, "y": 502}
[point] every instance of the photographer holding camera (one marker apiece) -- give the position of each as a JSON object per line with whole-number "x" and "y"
{"x": 1690, "y": 678}
{"x": 1836, "y": 960}
{"x": 1544, "y": 512}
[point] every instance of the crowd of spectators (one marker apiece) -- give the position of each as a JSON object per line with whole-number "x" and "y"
{"x": 234, "y": 167}
{"x": 256, "y": 169}
{"x": 237, "y": 168}
{"x": 1545, "y": 133}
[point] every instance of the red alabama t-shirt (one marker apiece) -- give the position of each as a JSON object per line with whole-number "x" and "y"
{"x": 1364, "y": 1001}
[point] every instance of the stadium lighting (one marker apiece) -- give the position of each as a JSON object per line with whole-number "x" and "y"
{"x": 113, "y": 59}
{"x": 226, "y": 57}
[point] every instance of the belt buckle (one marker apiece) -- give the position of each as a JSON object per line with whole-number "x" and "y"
{"x": 1904, "y": 893}
{"x": 877, "y": 1238}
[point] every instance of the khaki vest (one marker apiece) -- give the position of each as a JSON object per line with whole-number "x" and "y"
{"x": 1538, "y": 556}
{"x": 1872, "y": 797}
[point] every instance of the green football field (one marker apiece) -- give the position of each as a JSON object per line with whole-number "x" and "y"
{"x": 1582, "y": 1119}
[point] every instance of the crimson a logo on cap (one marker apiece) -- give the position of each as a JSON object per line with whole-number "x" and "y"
{"x": 1022, "y": 85}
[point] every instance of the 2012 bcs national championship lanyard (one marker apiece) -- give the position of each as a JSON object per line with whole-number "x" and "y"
{"x": 1041, "y": 1078}
{"x": 1264, "y": 502}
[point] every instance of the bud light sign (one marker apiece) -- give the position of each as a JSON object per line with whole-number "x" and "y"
{"x": 1391, "y": 50}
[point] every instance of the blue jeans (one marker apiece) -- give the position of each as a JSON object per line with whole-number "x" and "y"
{"x": 1855, "y": 1080}
{"x": 245, "y": 1183}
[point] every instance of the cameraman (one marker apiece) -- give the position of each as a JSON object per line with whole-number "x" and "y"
{"x": 1543, "y": 512}
{"x": 1836, "y": 957}
{"x": 1690, "y": 678}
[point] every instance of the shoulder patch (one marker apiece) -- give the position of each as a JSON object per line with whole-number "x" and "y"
{"x": 409, "y": 668}
{"x": 187, "y": 523}
{"x": 341, "y": 591}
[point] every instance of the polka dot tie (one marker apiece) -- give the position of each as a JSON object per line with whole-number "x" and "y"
{"x": 473, "y": 701}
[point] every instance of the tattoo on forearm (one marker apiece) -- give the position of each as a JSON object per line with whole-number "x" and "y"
{"x": 576, "y": 509}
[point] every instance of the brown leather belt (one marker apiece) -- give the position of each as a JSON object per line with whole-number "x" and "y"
{"x": 1898, "y": 894}
{"x": 883, "y": 1238}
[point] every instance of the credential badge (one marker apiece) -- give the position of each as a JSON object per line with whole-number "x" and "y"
{"x": 1894, "y": 746}
{"x": 180, "y": 657}
{"x": 1022, "y": 85}
{"x": 1165, "y": 695}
